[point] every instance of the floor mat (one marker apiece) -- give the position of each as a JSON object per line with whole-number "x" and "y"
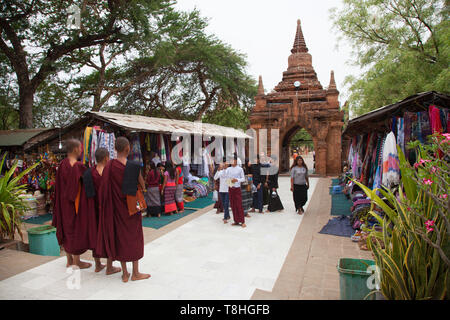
{"x": 338, "y": 226}
{"x": 156, "y": 223}
{"x": 40, "y": 219}
{"x": 340, "y": 205}
{"x": 200, "y": 203}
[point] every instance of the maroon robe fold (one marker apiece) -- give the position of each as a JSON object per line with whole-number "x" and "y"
{"x": 120, "y": 236}
{"x": 91, "y": 205}
{"x": 71, "y": 227}
{"x": 236, "y": 204}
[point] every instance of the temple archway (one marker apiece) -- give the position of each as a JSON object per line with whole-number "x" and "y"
{"x": 289, "y": 143}
{"x": 300, "y": 101}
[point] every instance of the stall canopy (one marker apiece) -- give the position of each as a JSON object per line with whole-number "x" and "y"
{"x": 18, "y": 138}
{"x": 376, "y": 119}
{"x": 166, "y": 126}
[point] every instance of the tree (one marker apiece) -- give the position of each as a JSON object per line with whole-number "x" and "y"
{"x": 401, "y": 45}
{"x": 193, "y": 71}
{"x": 302, "y": 138}
{"x": 8, "y": 93}
{"x": 38, "y": 43}
{"x": 233, "y": 116}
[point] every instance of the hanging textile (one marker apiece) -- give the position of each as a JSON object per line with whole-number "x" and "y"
{"x": 147, "y": 142}
{"x": 135, "y": 150}
{"x": 401, "y": 133}
{"x": 374, "y": 159}
{"x": 168, "y": 147}
{"x": 425, "y": 129}
{"x": 94, "y": 146}
{"x": 435, "y": 119}
{"x": 391, "y": 170}
{"x": 162, "y": 148}
{"x": 394, "y": 125}
{"x": 365, "y": 164}
{"x": 443, "y": 114}
{"x": 107, "y": 141}
{"x": 86, "y": 143}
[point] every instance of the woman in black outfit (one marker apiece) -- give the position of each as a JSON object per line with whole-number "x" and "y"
{"x": 272, "y": 183}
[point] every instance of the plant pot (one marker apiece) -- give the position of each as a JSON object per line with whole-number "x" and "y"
{"x": 13, "y": 245}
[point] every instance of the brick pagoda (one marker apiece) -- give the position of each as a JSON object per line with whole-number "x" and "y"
{"x": 310, "y": 106}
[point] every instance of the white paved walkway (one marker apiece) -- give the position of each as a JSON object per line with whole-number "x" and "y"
{"x": 202, "y": 259}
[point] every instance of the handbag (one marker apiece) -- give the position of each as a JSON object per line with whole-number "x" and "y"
{"x": 215, "y": 196}
{"x": 136, "y": 203}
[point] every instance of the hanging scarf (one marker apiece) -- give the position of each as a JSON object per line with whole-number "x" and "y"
{"x": 87, "y": 137}
{"x": 425, "y": 128}
{"x": 401, "y": 133}
{"x": 94, "y": 146}
{"x": 391, "y": 170}
{"x": 162, "y": 148}
{"x": 435, "y": 119}
{"x": 135, "y": 150}
{"x": 147, "y": 142}
{"x": 112, "y": 146}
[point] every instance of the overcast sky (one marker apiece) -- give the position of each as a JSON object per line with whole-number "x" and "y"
{"x": 264, "y": 31}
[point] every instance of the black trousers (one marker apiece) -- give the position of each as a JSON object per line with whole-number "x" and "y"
{"x": 300, "y": 195}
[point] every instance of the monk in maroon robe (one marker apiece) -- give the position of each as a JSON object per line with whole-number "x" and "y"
{"x": 120, "y": 235}
{"x": 92, "y": 184}
{"x": 71, "y": 223}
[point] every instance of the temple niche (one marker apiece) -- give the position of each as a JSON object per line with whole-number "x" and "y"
{"x": 300, "y": 101}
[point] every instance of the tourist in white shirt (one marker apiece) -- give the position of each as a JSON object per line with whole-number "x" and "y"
{"x": 221, "y": 175}
{"x": 235, "y": 175}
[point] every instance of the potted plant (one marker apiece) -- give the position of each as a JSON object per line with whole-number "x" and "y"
{"x": 412, "y": 250}
{"x": 12, "y": 205}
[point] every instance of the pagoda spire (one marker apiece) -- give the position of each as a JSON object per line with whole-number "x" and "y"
{"x": 332, "y": 81}
{"x": 299, "y": 41}
{"x": 260, "y": 87}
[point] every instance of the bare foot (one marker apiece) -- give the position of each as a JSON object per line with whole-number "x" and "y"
{"x": 225, "y": 221}
{"x": 140, "y": 276}
{"x": 125, "y": 276}
{"x": 159, "y": 216}
{"x": 113, "y": 270}
{"x": 99, "y": 267}
{"x": 235, "y": 224}
{"x": 84, "y": 265}
{"x": 243, "y": 225}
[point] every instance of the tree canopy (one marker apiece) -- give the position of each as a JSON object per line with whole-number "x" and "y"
{"x": 402, "y": 47}
{"x": 139, "y": 56}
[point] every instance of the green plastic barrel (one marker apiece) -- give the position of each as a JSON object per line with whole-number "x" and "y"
{"x": 353, "y": 275}
{"x": 42, "y": 241}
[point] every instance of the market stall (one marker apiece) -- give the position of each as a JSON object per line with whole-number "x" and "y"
{"x": 151, "y": 140}
{"x": 372, "y": 157}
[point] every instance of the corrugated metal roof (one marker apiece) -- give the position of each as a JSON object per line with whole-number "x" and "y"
{"x": 150, "y": 124}
{"x": 10, "y": 138}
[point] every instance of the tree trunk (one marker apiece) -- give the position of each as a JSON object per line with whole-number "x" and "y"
{"x": 26, "y": 99}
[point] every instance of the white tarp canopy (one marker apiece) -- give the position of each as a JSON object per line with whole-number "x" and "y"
{"x": 168, "y": 126}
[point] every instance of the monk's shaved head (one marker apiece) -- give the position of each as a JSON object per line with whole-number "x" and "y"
{"x": 101, "y": 154}
{"x": 72, "y": 145}
{"x": 122, "y": 144}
